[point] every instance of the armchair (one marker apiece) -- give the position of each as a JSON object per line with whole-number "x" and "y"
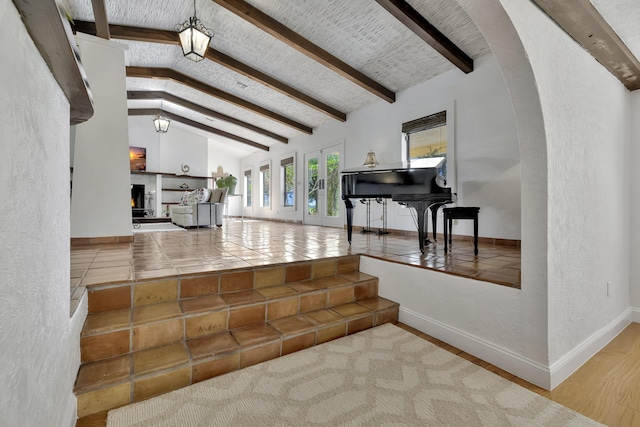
{"x": 196, "y": 213}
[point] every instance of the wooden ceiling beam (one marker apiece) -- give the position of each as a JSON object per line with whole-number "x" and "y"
{"x": 50, "y": 31}
{"x": 151, "y": 35}
{"x": 582, "y": 21}
{"x": 266, "y": 23}
{"x": 197, "y": 125}
{"x": 100, "y": 15}
{"x": 274, "y": 84}
{"x": 160, "y": 95}
{"x": 169, "y": 74}
{"x": 417, "y": 23}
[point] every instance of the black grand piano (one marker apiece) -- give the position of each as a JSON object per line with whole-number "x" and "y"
{"x": 416, "y": 184}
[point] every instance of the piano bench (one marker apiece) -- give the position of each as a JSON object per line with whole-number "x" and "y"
{"x": 460, "y": 213}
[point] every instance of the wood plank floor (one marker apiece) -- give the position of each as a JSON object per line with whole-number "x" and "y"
{"x": 606, "y": 388}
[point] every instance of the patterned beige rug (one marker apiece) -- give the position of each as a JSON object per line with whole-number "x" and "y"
{"x": 380, "y": 377}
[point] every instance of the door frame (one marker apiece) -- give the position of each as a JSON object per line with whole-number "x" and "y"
{"x": 322, "y": 219}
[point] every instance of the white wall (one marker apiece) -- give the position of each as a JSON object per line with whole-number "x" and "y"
{"x": 485, "y": 139}
{"x": 101, "y": 201}
{"x": 39, "y": 351}
{"x": 179, "y": 146}
{"x": 587, "y": 126}
{"x": 634, "y": 199}
{"x": 220, "y": 154}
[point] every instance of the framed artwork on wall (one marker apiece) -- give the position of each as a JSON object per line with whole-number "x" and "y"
{"x": 137, "y": 158}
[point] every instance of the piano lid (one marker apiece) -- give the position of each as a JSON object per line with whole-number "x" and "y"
{"x": 426, "y": 163}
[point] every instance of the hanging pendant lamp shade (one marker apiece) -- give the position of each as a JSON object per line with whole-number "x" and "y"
{"x": 194, "y": 37}
{"x": 161, "y": 123}
{"x": 371, "y": 160}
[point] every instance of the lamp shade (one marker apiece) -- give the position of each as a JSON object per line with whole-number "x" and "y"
{"x": 371, "y": 160}
{"x": 161, "y": 123}
{"x": 194, "y": 39}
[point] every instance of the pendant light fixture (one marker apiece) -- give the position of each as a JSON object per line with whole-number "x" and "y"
{"x": 161, "y": 122}
{"x": 194, "y": 37}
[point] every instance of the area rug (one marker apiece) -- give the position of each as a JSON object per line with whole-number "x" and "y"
{"x": 156, "y": 227}
{"x": 379, "y": 377}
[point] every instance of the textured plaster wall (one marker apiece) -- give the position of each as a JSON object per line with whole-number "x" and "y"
{"x": 634, "y": 279}
{"x": 486, "y": 147}
{"x": 39, "y": 351}
{"x": 101, "y": 202}
{"x": 587, "y": 125}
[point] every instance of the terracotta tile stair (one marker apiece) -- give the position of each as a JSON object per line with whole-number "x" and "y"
{"x": 142, "y": 339}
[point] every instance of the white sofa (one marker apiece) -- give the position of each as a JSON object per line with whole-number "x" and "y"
{"x": 200, "y": 211}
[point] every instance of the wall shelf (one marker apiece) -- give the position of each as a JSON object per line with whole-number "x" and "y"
{"x": 168, "y": 186}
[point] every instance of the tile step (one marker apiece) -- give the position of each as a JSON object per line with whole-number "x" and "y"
{"x": 116, "y": 332}
{"x": 139, "y": 375}
{"x": 114, "y": 295}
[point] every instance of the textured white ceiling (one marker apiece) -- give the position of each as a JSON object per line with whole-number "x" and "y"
{"x": 624, "y": 18}
{"x": 359, "y": 32}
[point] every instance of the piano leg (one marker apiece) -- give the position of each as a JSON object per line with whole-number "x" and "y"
{"x": 421, "y": 236}
{"x": 349, "y": 207}
{"x": 434, "y": 217}
{"x": 421, "y": 212}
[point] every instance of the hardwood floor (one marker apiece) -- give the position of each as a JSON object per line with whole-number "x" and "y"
{"x": 606, "y": 388}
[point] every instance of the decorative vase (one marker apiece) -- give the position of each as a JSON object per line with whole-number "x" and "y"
{"x": 229, "y": 182}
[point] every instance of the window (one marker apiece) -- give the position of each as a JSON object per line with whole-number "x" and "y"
{"x": 288, "y": 181}
{"x": 265, "y": 184}
{"x": 427, "y": 137}
{"x": 247, "y": 187}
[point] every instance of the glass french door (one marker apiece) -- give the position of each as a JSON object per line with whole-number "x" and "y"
{"x": 323, "y": 203}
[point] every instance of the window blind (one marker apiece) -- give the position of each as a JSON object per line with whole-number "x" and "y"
{"x": 425, "y": 123}
{"x": 287, "y": 161}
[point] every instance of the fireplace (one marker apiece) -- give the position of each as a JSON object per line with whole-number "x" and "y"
{"x": 137, "y": 200}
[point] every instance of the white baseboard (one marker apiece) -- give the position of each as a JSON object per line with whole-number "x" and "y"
{"x": 547, "y": 377}
{"x": 522, "y": 367}
{"x": 571, "y": 361}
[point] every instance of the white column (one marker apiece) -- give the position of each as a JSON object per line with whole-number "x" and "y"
{"x": 101, "y": 198}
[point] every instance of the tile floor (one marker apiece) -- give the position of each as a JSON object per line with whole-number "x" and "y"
{"x": 240, "y": 244}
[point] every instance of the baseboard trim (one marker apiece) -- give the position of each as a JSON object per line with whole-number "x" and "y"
{"x": 456, "y": 237}
{"x": 571, "y": 361}
{"x": 527, "y": 369}
{"x": 290, "y": 221}
{"x": 635, "y": 314}
{"x": 84, "y": 241}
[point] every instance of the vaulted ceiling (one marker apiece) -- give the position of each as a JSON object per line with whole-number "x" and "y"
{"x": 278, "y": 69}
